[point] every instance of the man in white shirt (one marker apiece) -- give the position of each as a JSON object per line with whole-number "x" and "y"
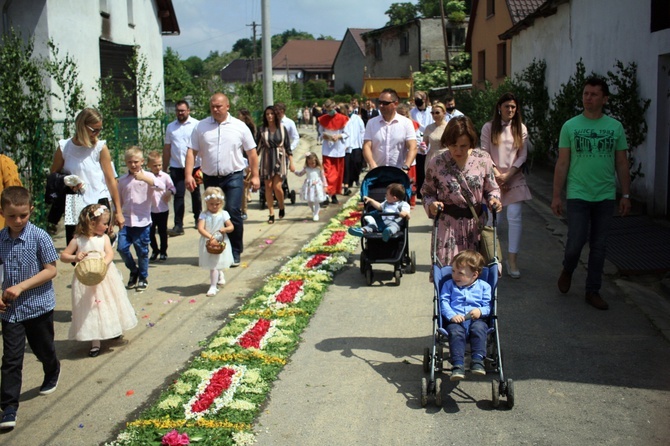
{"x": 288, "y": 123}
{"x": 421, "y": 112}
{"x": 390, "y": 139}
{"x": 353, "y": 160}
{"x": 219, "y": 141}
{"x": 450, "y": 105}
{"x": 177, "y": 142}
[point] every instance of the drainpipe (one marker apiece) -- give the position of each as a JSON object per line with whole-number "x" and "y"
{"x": 5, "y": 16}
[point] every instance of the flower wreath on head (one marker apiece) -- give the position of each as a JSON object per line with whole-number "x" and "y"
{"x": 214, "y": 196}
{"x": 98, "y": 212}
{"x": 308, "y": 154}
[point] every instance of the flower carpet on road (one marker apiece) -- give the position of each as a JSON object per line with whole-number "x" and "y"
{"x": 217, "y": 398}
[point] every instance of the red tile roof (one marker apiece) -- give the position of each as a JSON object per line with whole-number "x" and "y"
{"x": 356, "y": 33}
{"x": 307, "y": 55}
{"x": 519, "y": 9}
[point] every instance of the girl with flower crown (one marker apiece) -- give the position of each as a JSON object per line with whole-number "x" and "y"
{"x": 215, "y": 223}
{"x": 101, "y": 311}
{"x": 315, "y": 186}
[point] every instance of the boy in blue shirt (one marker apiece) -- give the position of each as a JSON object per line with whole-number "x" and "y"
{"x": 28, "y": 300}
{"x": 464, "y": 295}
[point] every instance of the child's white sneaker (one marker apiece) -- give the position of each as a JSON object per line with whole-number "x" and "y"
{"x": 316, "y": 217}
{"x": 212, "y": 291}
{"x": 222, "y": 279}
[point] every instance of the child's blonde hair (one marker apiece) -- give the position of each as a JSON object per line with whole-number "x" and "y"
{"x": 469, "y": 258}
{"x": 133, "y": 151}
{"x": 312, "y": 156}
{"x": 213, "y": 193}
{"x": 155, "y": 155}
{"x": 89, "y": 217}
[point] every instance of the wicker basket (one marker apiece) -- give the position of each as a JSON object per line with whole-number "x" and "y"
{"x": 92, "y": 270}
{"x": 214, "y": 246}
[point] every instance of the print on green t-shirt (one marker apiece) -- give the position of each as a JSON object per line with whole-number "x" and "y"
{"x": 593, "y": 144}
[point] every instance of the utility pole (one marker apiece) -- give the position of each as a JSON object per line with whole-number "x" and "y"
{"x": 255, "y": 56}
{"x": 268, "y": 95}
{"x": 288, "y": 72}
{"x": 446, "y": 47}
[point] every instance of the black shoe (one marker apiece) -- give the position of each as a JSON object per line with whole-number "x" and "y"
{"x": 50, "y": 383}
{"x": 163, "y": 257}
{"x": 346, "y": 192}
{"x": 154, "y": 256}
{"x": 94, "y": 352}
{"x": 8, "y": 419}
{"x": 142, "y": 285}
{"x": 281, "y": 213}
{"x": 176, "y": 231}
{"x": 324, "y": 204}
{"x": 132, "y": 281}
{"x": 334, "y": 200}
{"x": 236, "y": 261}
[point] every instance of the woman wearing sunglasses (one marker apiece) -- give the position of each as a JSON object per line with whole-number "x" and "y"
{"x": 87, "y": 157}
{"x": 431, "y": 141}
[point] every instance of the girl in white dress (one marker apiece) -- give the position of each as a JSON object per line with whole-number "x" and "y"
{"x": 102, "y": 311}
{"x": 215, "y": 223}
{"x": 314, "y": 188}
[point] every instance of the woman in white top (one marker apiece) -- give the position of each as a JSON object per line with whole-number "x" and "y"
{"x": 431, "y": 144}
{"x": 88, "y": 157}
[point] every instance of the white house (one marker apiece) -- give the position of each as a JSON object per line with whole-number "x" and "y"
{"x": 99, "y": 35}
{"x": 601, "y": 32}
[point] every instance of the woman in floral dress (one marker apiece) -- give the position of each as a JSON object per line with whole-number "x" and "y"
{"x": 457, "y": 173}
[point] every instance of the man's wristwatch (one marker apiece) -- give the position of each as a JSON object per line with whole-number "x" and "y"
{"x": 405, "y": 167}
{"x": 626, "y": 196}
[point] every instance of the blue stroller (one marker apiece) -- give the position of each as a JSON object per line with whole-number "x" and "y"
{"x": 396, "y": 250}
{"x": 433, "y": 357}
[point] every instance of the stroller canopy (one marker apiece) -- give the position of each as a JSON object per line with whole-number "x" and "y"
{"x": 382, "y": 176}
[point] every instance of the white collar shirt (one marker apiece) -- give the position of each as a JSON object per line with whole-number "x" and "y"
{"x": 221, "y": 145}
{"x": 292, "y": 131}
{"x": 355, "y": 130}
{"x": 136, "y": 199}
{"x": 389, "y": 139}
{"x": 423, "y": 117}
{"x": 448, "y": 116}
{"x": 178, "y": 135}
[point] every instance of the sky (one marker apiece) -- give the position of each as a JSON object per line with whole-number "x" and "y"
{"x": 215, "y": 25}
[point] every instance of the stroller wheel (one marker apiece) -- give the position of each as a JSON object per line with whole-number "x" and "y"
{"x": 510, "y": 393}
{"x": 397, "y": 275}
{"x": 426, "y": 360}
{"x": 369, "y": 277}
{"x": 424, "y": 392}
{"x": 364, "y": 262}
{"x": 495, "y": 393}
{"x": 438, "y": 392}
{"x": 412, "y": 263}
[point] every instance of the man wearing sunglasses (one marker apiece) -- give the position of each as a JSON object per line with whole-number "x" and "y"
{"x": 390, "y": 139}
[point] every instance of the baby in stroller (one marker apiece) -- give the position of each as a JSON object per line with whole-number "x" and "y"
{"x": 465, "y": 303}
{"x": 390, "y": 213}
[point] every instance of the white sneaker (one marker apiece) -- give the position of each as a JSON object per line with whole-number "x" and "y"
{"x": 316, "y": 217}
{"x": 222, "y": 279}
{"x": 212, "y": 291}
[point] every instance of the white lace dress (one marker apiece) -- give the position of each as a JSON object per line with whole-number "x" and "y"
{"x": 313, "y": 188}
{"x": 214, "y": 222}
{"x": 102, "y": 311}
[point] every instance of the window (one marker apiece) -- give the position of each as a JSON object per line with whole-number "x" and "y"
{"x": 660, "y": 15}
{"x": 404, "y": 43}
{"x": 502, "y": 59}
{"x": 131, "y": 16}
{"x": 481, "y": 66}
{"x": 378, "y": 49}
{"x": 490, "y": 8}
{"x": 456, "y": 37}
{"x": 104, "y": 9}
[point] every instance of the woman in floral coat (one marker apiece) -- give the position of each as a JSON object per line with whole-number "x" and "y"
{"x": 453, "y": 178}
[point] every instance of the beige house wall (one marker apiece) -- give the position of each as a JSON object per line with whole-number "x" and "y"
{"x": 485, "y": 38}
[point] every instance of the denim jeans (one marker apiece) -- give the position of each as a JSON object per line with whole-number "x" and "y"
{"x": 40, "y": 334}
{"x": 588, "y": 221}
{"x": 177, "y": 176}
{"x": 139, "y": 238}
{"x": 475, "y": 330}
{"x": 233, "y": 188}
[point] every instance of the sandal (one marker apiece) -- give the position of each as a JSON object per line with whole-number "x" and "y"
{"x": 281, "y": 213}
{"x": 271, "y": 219}
{"x": 94, "y": 351}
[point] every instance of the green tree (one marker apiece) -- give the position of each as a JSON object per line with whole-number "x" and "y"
{"x": 69, "y": 90}
{"x": 400, "y": 13}
{"x": 245, "y": 48}
{"x": 178, "y": 81}
{"x": 279, "y": 40}
{"x": 195, "y": 66}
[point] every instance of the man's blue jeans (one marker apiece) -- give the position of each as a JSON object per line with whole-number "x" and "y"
{"x": 139, "y": 238}
{"x": 233, "y": 187}
{"x": 588, "y": 221}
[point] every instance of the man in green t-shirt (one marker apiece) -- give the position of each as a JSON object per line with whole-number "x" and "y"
{"x": 591, "y": 154}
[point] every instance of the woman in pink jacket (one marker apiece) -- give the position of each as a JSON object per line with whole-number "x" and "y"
{"x": 505, "y": 138}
